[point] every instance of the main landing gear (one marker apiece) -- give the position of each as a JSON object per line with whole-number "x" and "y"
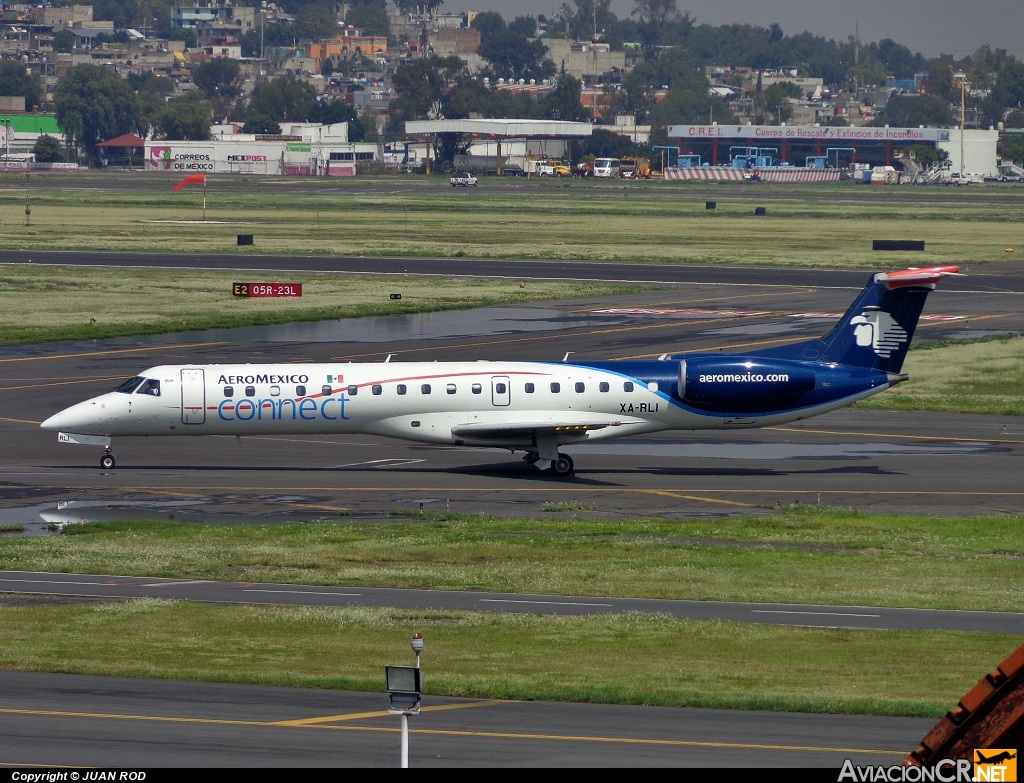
{"x": 108, "y": 461}
{"x": 561, "y": 466}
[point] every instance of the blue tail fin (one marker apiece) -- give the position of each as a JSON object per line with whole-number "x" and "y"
{"x": 877, "y": 329}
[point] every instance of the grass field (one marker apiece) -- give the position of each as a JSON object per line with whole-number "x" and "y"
{"x": 798, "y": 556}
{"x": 630, "y": 659}
{"x": 42, "y": 303}
{"x": 815, "y": 555}
{"x": 806, "y": 226}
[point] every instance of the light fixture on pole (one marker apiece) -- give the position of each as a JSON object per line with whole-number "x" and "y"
{"x": 405, "y": 686}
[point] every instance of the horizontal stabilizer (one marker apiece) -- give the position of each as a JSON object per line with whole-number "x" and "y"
{"x": 914, "y": 276}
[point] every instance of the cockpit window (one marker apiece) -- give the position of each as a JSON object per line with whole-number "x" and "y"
{"x": 130, "y": 385}
{"x": 151, "y": 386}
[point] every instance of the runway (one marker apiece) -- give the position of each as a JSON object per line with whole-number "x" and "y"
{"x": 870, "y": 460}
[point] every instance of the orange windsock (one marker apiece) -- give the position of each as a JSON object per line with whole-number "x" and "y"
{"x": 191, "y": 179}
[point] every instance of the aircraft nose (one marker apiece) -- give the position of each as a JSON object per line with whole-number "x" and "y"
{"x": 83, "y": 418}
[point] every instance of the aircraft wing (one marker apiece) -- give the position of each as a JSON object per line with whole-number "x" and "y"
{"x": 519, "y": 430}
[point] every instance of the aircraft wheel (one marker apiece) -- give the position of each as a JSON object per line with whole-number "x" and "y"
{"x": 562, "y": 466}
{"x": 108, "y": 462}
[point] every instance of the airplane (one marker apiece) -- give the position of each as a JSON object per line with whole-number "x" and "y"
{"x": 1003, "y": 756}
{"x": 537, "y": 407}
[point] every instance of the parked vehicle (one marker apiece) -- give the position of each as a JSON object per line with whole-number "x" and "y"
{"x": 463, "y": 180}
{"x": 635, "y": 168}
{"x": 606, "y": 168}
{"x": 584, "y": 169}
{"x": 967, "y": 178}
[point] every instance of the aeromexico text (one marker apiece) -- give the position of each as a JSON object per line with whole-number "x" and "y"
{"x": 227, "y": 380}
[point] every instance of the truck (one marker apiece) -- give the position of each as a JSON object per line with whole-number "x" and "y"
{"x": 967, "y": 178}
{"x": 635, "y": 168}
{"x": 463, "y": 180}
{"x": 548, "y": 168}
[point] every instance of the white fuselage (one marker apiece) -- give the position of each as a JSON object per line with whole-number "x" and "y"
{"x": 468, "y": 403}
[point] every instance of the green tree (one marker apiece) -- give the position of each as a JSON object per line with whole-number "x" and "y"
{"x": 186, "y": 118}
{"x": 909, "y": 111}
{"x": 563, "y": 103}
{"x": 488, "y": 23}
{"x": 773, "y": 102}
{"x": 220, "y": 79}
{"x": 524, "y": 25}
{"x": 148, "y": 108}
{"x": 270, "y": 34}
{"x": 927, "y": 156}
{"x": 423, "y": 84}
{"x": 184, "y": 34}
{"x": 315, "y": 22}
{"x": 513, "y": 56}
{"x": 93, "y": 104}
{"x": 283, "y": 98}
{"x": 338, "y": 110}
{"x": 604, "y": 143}
{"x": 1013, "y": 148}
{"x": 48, "y": 149}
{"x": 150, "y": 83}
{"x": 653, "y": 16}
{"x": 371, "y": 16}
{"x": 898, "y": 59}
{"x": 64, "y": 41}
{"x": 261, "y": 124}
{"x": 15, "y": 81}
{"x": 1015, "y": 119}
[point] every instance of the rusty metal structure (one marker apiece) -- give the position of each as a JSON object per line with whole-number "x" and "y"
{"x": 990, "y": 715}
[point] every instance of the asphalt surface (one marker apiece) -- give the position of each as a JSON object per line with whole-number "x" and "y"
{"x": 805, "y": 615}
{"x": 862, "y": 459}
{"x": 78, "y": 722}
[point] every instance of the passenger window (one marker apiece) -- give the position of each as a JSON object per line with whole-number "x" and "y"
{"x": 326, "y": 390}
{"x": 229, "y": 391}
{"x": 275, "y": 391}
{"x": 555, "y": 388}
{"x": 500, "y": 388}
{"x": 353, "y": 390}
{"x": 450, "y": 388}
{"x": 627, "y": 386}
{"x": 603, "y": 386}
{"x": 477, "y": 388}
{"x": 402, "y": 389}
{"x": 300, "y": 391}
{"x": 529, "y": 388}
{"x": 377, "y": 389}
{"x": 580, "y": 387}
{"x": 250, "y": 391}
{"x": 425, "y": 388}
{"x": 151, "y": 387}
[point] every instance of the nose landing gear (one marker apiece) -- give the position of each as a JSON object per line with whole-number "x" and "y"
{"x": 108, "y": 461}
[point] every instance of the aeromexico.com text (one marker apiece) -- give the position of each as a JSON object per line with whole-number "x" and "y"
{"x": 744, "y": 378}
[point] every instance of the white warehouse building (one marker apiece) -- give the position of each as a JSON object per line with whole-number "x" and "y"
{"x": 301, "y": 150}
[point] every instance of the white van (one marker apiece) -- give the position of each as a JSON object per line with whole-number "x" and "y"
{"x": 606, "y": 167}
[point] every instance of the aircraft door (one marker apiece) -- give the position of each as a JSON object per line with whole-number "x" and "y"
{"x": 193, "y": 396}
{"x": 501, "y": 390}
